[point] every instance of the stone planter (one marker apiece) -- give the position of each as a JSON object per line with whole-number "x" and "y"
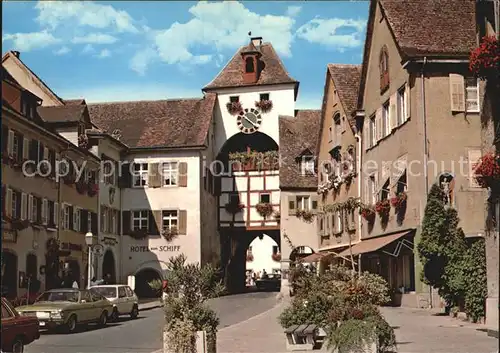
{"x": 204, "y": 343}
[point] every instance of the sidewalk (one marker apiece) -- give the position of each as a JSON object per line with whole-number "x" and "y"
{"x": 149, "y": 304}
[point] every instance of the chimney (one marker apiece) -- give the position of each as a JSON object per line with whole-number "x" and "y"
{"x": 16, "y": 53}
{"x": 257, "y": 41}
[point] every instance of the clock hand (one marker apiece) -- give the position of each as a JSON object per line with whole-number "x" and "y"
{"x": 250, "y": 121}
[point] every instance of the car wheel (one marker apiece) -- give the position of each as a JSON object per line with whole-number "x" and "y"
{"x": 114, "y": 315}
{"x": 135, "y": 312}
{"x": 71, "y": 324}
{"x": 103, "y": 319}
{"x": 18, "y": 346}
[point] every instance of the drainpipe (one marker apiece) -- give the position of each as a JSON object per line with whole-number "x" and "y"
{"x": 121, "y": 221}
{"x": 360, "y": 182}
{"x": 426, "y": 152}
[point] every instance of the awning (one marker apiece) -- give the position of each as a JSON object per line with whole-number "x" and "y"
{"x": 370, "y": 245}
{"x": 313, "y": 257}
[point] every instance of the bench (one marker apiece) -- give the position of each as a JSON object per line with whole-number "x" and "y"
{"x": 301, "y": 337}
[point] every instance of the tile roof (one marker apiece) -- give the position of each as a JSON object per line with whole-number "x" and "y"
{"x": 274, "y": 71}
{"x": 162, "y": 123}
{"x": 296, "y": 135}
{"x": 78, "y": 101}
{"x": 346, "y": 79}
{"x": 62, "y": 114}
{"x": 432, "y": 27}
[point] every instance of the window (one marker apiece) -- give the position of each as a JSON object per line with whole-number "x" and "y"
{"x": 64, "y": 167}
{"x": 384, "y": 192}
{"x": 472, "y": 94}
{"x": 401, "y": 184}
{"x": 76, "y": 219}
{"x": 5, "y": 312}
{"x": 351, "y": 219}
{"x": 170, "y": 219}
{"x": 303, "y": 203}
{"x": 34, "y": 209}
{"x": 121, "y": 292}
{"x": 337, "y": 129}
{"x": 129, "y": 292}
{"x": 234, "y": 199}
{"x": 104, "y": 219}
{"x": 275, "y": 249}
{"x": 373, "y": 189}
{"x": 265, "y": 198}
{"x": 140, "y": 174}
{"x": 330, "y": 134}
{"x": 16, "y": 143}
{"x": 114, "y": 222}
{"x": 385, "y": 120}
{"x": 351, "y": 157}
{"x": 108, "y": 172}
{"x": 338, "y": 222}
{"x": 14, "y": 205}
{"x": 45, "y": 211}
{"x": 249, "y": 65}
{"x": 307, "y": 166}
{"x": 384, "y": 69}
{"x": 140, "y": 220}
{"x": 264, "y": 96}
{"x": 66, "y": 216}
{"x": 89, "y": 221}
{"x": 234, "y": 99}
{"x": 373, "y": 131}
{"x": 170, "y": 172}
{"x": 401, "y": 106}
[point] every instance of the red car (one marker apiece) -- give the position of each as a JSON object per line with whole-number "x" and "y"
{"x": 17, "y": 331}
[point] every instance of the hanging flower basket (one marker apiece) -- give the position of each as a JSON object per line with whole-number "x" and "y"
{"x": 306, "y": 216}
{"x": 484, "y": 61}
{"x": 276, "y": 257}
{"x": 20, "y": 224}
{"x": 265, "y": 105}
{"x": 399, "y": 200}
{"x": 81, "y": 187}
{"x": 487, "y": 172}
{"x": 69, "y": 179}
{"x": 277, "y": 216}
{"x": 93, "y": 188}
{"x": 368, "y": 213}
{"x": 383, "y": 208}
{"x": 264, "y": 209}
{"x": 83, "y": 141}
{"x": 138, "y": 234}
{"x": 234, "y": 208}
{"x": 234, "y": 108}
{"x": 249, "y": 257}
{"x": 170, "y": 233}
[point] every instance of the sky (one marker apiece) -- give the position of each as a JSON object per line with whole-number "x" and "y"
{"x": 146, "y": 50}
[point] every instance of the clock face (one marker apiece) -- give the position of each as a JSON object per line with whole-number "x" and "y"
{"x": 249, "y": 121}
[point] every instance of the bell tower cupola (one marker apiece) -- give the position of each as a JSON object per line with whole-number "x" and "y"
{"x": 251, "y": 60}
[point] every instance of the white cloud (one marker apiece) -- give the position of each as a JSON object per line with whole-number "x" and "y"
{"x": 218, "y": 26}
{"x": 56, "y": 13}
{"x": 62, "y": 51}
{"x": 325, "y": 32}
{"x": 95, "y": 38}
{"x": 141, "y": 60}
{"x": 105, "y": 53}
{"x": 29, "y": 41}
{"x": 293, "y": 10}
{"x": 88, "y": 49}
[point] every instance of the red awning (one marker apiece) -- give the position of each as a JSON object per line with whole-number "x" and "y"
{"x": 374, "y": 244}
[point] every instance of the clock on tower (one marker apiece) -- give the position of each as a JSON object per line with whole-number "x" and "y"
{"x": 249, "y": 121}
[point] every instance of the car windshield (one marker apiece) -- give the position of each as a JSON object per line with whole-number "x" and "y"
{"x": 107, "y": 292}
{"x": 66, "y": 296}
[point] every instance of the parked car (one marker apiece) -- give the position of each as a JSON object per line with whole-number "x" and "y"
{"x": 272, "y": 283}
{"x": 123, "y": 298}
{"x": 17, "y": 331}
{"x": 68, "y": 308}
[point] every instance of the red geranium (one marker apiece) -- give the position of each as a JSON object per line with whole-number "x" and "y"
{"x": 484, "y": 61}
{"x": 383, "y": 207}
{"x": 487, "y": 172}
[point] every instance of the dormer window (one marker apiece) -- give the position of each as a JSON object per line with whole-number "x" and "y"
{"x": 249, "y": 65}
{"x": 27, "y": 107}
{"x": 384, "y": 68}
{"x": 307, "y": 165}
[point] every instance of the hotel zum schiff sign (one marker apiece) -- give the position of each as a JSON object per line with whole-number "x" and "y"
{"x": 162, "y": 248}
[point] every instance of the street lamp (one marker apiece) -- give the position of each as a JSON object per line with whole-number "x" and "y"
{"x": 89, "y": 240}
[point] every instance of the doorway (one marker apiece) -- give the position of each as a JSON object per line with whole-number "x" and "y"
{"x": 9, "y": 274}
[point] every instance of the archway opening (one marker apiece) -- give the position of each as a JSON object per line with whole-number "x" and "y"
{"x": 300, "y": 252}
{"x": 146, "y": 283}
{"x": 263, "y": 264}
{"x": 108, "y": 267}
{"x": 9, "y": 275}
{"x": 33, "y": 283}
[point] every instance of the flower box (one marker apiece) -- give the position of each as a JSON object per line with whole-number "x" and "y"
{"x": 81, "y": 187}
{"x": 252, "y": 160}
{"x": 234, "y": 208}
{"x": 276, "y": 257}
{"x": 138, "y": 234}
{"x": 383, "y": 208}
{"x": 399, "y": 200}
{"x": 170, "y": 233}
{"x": 487, "y": 172}
{"x": 249, "y": 257}
{"x": 264, "y": 209}
{"x": 484, "y": 61}
{"x": 265, "y": 105}
{"x": 306, "y": 216}
{"x": 234, "y": 108}
{"x": 93, "y": 188}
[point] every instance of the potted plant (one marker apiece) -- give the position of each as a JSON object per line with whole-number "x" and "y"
{"x": 265, "y": 105}
{"x": 484, "y": 61}
{"x": 170, "y": 233}
{"x": 81, "y": 186}
{"x": 138, "y": 233}
{"x": 277, "y": 216}
{"x": 305, "y": 215}
{"x": 399, "y": 200}
{"x": 276, "y": 257}
{"x": 368, "y": 213}
{"x": 383, "y": 207}
{"x": 234, "y": 108}
{"x": 93, "y": 188}
{"x": 249, "y": 257}
{"x": 83, "y": 141}
{"x": 233, "y": 207}
{"x": 487, "y": 172}
{"x": 264, "y": 209}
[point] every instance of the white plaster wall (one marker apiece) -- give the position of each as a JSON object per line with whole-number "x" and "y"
{"x": 182, "y": 198}
{"x": 262, "y": 250}
{"x": 283, "y": 99}
{"x": 70, "y": 134}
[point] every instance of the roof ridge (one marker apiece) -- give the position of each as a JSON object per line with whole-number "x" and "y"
{"x": 147, "y": 101}
{"x": 225, "y": 66}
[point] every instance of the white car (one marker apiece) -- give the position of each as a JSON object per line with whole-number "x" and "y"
{"x": 123, "y": 298}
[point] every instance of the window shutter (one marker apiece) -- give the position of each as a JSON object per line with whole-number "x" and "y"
{"x": 40, "y": 151}
{"x": 292, "y": 201}
{"x": 38, "y": 209}
{"x": 183, "y": 174}
{"x": 366, "y": 142}
{"x": 20, "y": 148}
{"x": 24, "y": 206}
{"x": 18, "y": 204}
{"x": 26, "y": 148}
{"x": 84, "y": 221}
{"x": 10, "y": 143}
{"x": 314, "y": 203}
{"x": 126, "y": 222}
{"x": 182, "y": 222}
{"x": 70, "y": 217}
{"x": 407, "y": 101}
{"x": 5, "y": 139}
{"x": 158, "y": 219}
{"x": 33, "y": 150}
{"x": 154, "y": 175}
{"x": 45, "y": 153}
{"x": 341, "y": 221}
{"x": 93, "y": 223}
{"x": 474, "y": 156}
{"x": 153, "y": 226}
{"x": 8, "y": 205}
{"x": 30, "y": 208}
{"x": 125, "y": 176}
{"x": 56, "y": 214}
{"x": 320, "y": 225}
{"x": 44, "y": 211}
{"x": 393, "y": 117}
{"x": 378, "y": 125}
{"x": 457, "y": 93}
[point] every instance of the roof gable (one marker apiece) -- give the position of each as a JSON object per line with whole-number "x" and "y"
{"x": 64, "y": 114}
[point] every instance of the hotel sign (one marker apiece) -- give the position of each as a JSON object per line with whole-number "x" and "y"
{"x": 162, "y": 248}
